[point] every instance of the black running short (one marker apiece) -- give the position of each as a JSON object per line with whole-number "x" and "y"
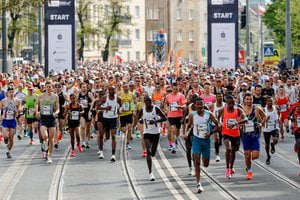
{"x": 109, "y": 124}
{"x": 235, "y": 141}
{"x": 175, "y": 121}
{"x": 127, "y": 119}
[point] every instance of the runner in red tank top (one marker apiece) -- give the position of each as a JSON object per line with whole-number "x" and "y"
{"x": 232, "y": 117}
{"x": 295, "y": 116}
{"x": 282, "y": 102}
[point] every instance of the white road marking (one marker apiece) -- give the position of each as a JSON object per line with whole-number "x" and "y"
{"x": 13, "y": 175}
{"x": 189, "y": 193}
{"x": 166, "y": 180}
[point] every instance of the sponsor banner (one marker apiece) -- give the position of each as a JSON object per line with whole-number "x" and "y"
{"x": 60, "y": 41}
{"x": 223, "y": 33}
{"x": 242, "y": 57}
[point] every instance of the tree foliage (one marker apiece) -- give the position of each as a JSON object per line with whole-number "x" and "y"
{"x": 274, "y": 19}
{"x": 116, "y": 16}
{"x": 85, "y": 26}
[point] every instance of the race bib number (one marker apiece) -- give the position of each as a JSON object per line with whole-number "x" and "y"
{"x": 75, "y": 115}
{"x": 84, "y": 103}
{"x": 298, "y": 122}
{"x": 157, "y": 103}
{"x": 249, "y": 127}
{"x": 10, "y": 114}
{"x": 46, "y": 110}
{"x": 30, "y": 111}
{"x": 271, "y": 124}
{"x": 148, "y": 125}
{"x": 111, "y": 112}
{"x": 283, "y": 108}
{"x": 173, "y": 106}
{"x": 126, "y": 106}
{"x": 208, "y": 103}
{"x": 231, "y": 122}
{"x": 202, "y": 130}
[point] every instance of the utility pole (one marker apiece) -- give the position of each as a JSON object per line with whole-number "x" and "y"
{"x": 288, "y": 36}
{"x": 40, "y": 33}
{"x": 248, "y": 31}
{"x": 261, "y": 37}
{"x": 4, "y": 39}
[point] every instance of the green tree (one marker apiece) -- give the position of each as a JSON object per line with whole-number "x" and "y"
{"x": 274, "y": 19}
{"x": 85, "y": 26}
{"x": 116, "y": 16}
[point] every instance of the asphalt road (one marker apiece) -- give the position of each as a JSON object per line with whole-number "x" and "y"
{"x": 28, "y": 176}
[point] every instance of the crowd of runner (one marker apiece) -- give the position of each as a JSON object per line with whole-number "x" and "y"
{"x": 199, "y": 104}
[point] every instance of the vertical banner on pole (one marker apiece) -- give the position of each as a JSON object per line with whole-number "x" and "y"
{"x": 222, "y": 34}
{"x": 60, "y": 41}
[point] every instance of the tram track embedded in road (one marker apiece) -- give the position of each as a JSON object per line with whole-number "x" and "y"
{"x": 219, "y": 186}
{"x": 127, "y": 171}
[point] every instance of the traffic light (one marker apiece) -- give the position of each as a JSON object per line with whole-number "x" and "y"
{"x": 243, "y": 18}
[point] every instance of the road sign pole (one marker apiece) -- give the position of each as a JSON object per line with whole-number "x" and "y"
{"x": 40, "y": 33}
{"x": 288, "y": 36}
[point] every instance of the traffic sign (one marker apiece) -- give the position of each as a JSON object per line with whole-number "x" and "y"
{"x": 268, "y": 51}
{"x": 241, "y": 57}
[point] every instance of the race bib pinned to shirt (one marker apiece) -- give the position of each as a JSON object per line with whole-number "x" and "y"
{"x": 10, "y": 114}
{"x": 75, "y": 115}
{"x": 249, "y": 126}
{"x": 173, "y": 106}
{"x": 157, "y": 103}
{"x": 231, "y": 122}
{"x": 126, "y": 106}
{"x": 84, "y": 103}
{"x": 30, "y": 111}
{"x": 283, "y": 108}
{"x": 46, "y": 110}
{"x": 298, "y": 122}
{"x": 202, "y": 130}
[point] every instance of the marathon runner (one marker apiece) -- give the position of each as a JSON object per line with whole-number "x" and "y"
{"x": 282, "y": 101}
{"x": 174, "y": 103}
{"x": 251, "y": 132}
{"x": 151, "y": 116}
{"x": 295, "y": 117}
{"x": 271, "y": 127}
{"x": 19, "y": 94}
{"x": 10, "y": 108}
{"x": 231, "y": 118}
{"x": 111, "y": 106}
{"x": 47, "y": 109}
{"x": 200, "y": 119}
{"x": 72, "y": 112}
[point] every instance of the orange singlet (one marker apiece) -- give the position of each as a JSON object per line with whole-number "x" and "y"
{"x": 230, "y": 118}
{"x": 157, "y": 98}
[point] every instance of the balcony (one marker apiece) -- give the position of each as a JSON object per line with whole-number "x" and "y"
{"x": 122, "y": 43}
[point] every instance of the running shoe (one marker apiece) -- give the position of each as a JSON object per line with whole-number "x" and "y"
{"x": 98, "y": 153}
{"x": 199, "y": 188}
{"x": 268, "y": 161}
{"x": 19, "y": 137}
{"x": 144, "y": 154}
{"x": 128, "y": 147}
{"x": 227, "y": 173}
{"x": 31, "y": 142}
{"x": 174, "y": 150}
{"x": 79, "y": 148}
{"x": 49, "y": 160}
{"x": 59, "y": 136}
{"x": 8, "y": 155}
{"x": 190, "y": 171}
{"x": 113, "y": 158}
{"x": 44, "y": 155}
{"x": 282, "y": 137}
{"x": 88, "y": 146}
{"x": 83, "y": 145}
{"x": 138, "y": 135}
{"x": 151, "y": 177}
{"x": 72, "y": 153}
{"x": 101, "y": 155}
{"x": 218, "y": 158}
{"x": 170, "y": 148}
{"x": 56, "y": 146}
{"x": 249, "y": 175}
{"x": 272, "y": 148}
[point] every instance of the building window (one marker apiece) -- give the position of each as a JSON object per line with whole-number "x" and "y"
{"x": 128, "y": 56}
{"x": 192, "y": 55}
{"x": 191, "y": 35}
{"x": 150, "y": 35}
{"x": 137, "y": 11}
{"x": 191, "y": 14}
{"x": 179, "y": 14}
{"x": 152, "y": 14}
{"x": 179, "y": 36}
{"x": 137, "y": 56}
{"x": 137, "y": 34}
